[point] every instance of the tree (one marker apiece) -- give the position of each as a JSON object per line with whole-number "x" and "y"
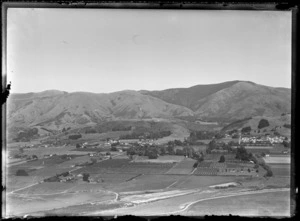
{"x": 152, "y": 155}
{"x": 85, "y": 177}
{"x": 34, "y": 157}
{"x": 212, "y": 145}
{"x": 170, "y": 149}
{"x": 179, "y": 152}
{"x": 222, "y": 159}
{"x": 263, "y": 123}
{"x": 178, "y": 142}
{"x": 246, "y": 129}
{"x": 195, "y": 165}
{"x": 162, "y": 151}
{"x": 21, "y": 172}
{"x": 269, "y": 173}
{"x": 200, "y": 159}
{"x": 286, "y": 144}
{"x": 78, "y": 145}
{"x": 242, "y": 154}
{"x": 113, "y": 148}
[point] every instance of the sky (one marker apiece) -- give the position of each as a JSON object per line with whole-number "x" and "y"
{"x": 107, "y": 50}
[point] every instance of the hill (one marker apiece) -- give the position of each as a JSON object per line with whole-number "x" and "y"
{"x": 61, "y": 109}
{"x": 221, "y": 103}
{"x": 278, "y": 124}
{"x": 189, "y": 97}
{"x": 229, "y": 100}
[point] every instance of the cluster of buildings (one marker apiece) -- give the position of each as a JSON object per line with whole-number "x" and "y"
{"x": 262, "y": 140}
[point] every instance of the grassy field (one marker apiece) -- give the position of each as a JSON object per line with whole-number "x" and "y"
{"x": 281, "y": 169}
{"x": 277, "y": 159}
{"x": 246, "y": 205}
{"x": 113, "y": 178}
{"x": 201, "y": 181}
{"x": 19, "y": 205}
{"x": 47, "y": 188}
{"x": 160, "y": 159}
{"x": 41, "y": 151}
{"x": 183, "y": 167}
{"x": 123, "y": 166}
{"x": 57, "y": 188}
{"x": 148, "y": 182}
{"x": 82, "y": 209}
{"x": 16, "y": 182}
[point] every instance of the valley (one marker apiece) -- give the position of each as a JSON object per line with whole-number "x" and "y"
{"x": 178, "y": 151}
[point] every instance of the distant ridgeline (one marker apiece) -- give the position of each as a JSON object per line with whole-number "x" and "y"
{"x": 236, "y": 102}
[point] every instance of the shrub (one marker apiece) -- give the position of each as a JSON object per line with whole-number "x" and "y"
{"x": 113, "y": 148}
{"x": 75, "y": 136}
{"x": 222, "y": 159}
{"x": 263, "y": 123}
{"x": 269, "y": 173}
{"x": 179, "y": 152}
{"x": 246, "y": 130}
{"x": 152, "y": 155}
{"x": 195, "y": 165}
{"x": 85, "y": 177}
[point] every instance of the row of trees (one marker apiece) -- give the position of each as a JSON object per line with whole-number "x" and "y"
{"x": 75, "y": 136}
{"x": 205, "y": 135}
{"x": 171, "y": 149}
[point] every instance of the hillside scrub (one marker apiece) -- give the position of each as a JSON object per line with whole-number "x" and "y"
{"x": 27, "y": 134}
{"x": 75, "y": 136}
{"x": 246, "y": 130}
{"x": 263, "y": 123}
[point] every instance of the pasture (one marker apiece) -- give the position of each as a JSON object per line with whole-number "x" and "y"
{"x": 160, "y": 159}
{"x": 21, "y": 205}
{"x": 281, "y": 170}
{"x": 277, "y": 160}
{"x": 113, "y": 178}
{"x": 17, "y": 182}
{"x": 189, "y": 182}
{"x": 147, "y": 183}
{"x": 183, "y": 167}
{"x": 119, "y": 166}
{"x": 41, "y": 151}
{"x": 246, "y": 205}
{"x": 58, "y": 188}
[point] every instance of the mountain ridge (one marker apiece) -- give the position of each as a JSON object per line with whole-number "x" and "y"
{"x": 225, "y": 101}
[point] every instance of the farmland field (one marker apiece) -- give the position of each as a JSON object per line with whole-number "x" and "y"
{"x": 183, "y": 167}
{"x": 246, "y": 205}
{"x": 160, "y": 159}
{"x": 281, "y": 169}
{"x": 20, "y": 205}
{"x": 16, "y": 182}
{"x": 118, "y": 166}
{"x": 277, "y": 159}
{"x": 41, "y": 151}
{"x": 148, "y": 182}
{"x": 201, "y": 181}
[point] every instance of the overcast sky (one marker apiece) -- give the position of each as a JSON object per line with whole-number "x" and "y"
{"x": 106, "y": 50}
